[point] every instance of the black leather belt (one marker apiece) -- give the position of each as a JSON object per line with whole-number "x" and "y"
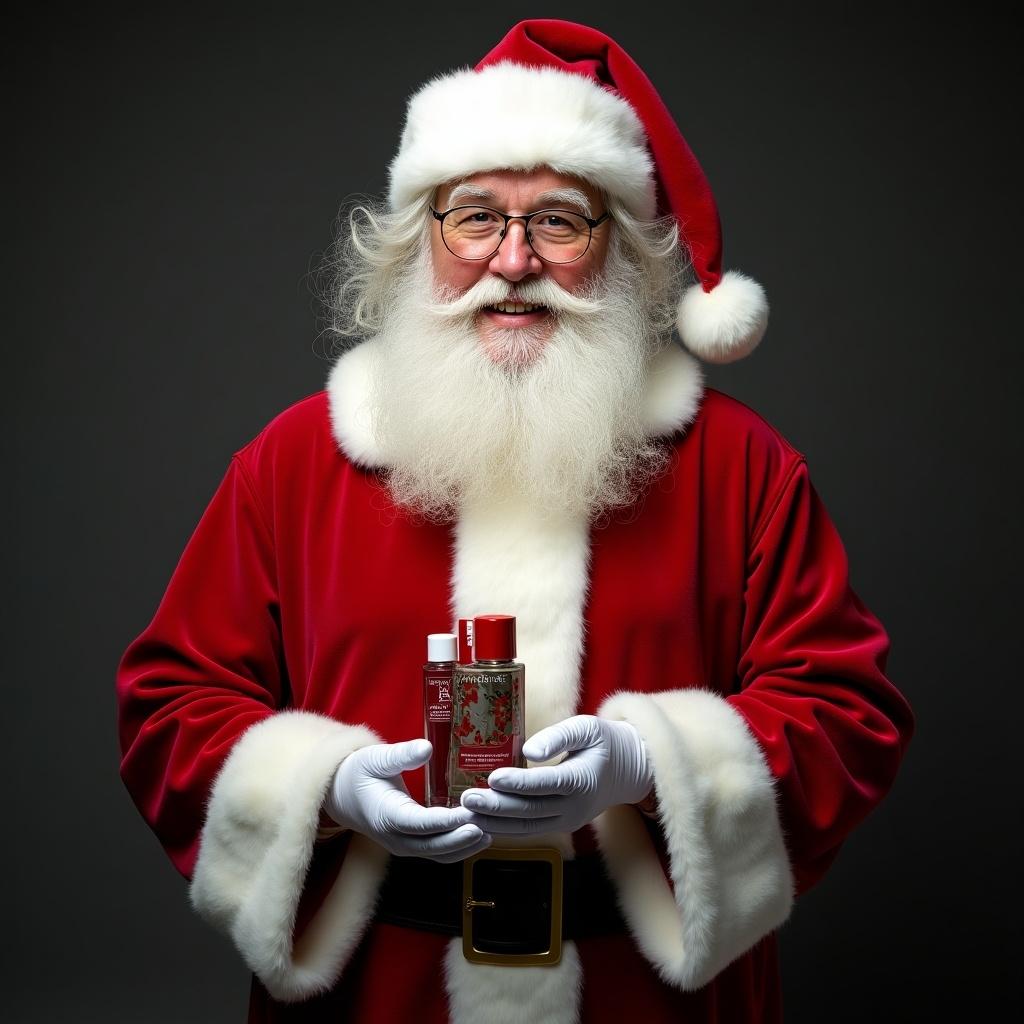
{"x": 428, "y": 896}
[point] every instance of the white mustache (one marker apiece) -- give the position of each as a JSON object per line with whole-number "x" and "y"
{"x": 490, "y": 291}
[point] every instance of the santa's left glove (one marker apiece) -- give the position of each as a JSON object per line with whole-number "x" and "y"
{"x": 369, "y": 796}
{"x": 607, "y": 765}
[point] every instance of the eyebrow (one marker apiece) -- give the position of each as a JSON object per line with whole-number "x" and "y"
{"x": 461, "y": 192}
{"x": 563, "y": 196}
{"x": 567, "y": 196}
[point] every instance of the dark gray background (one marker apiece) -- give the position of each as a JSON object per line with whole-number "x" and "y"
{"x": 174, "y": 177}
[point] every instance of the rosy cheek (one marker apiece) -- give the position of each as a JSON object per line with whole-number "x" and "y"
{"x": 452, "y": 273}
{"x": 572, "y": 278}
{"x": 466, "y": 275}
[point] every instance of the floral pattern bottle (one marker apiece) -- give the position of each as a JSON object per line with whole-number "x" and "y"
{"x": 489, "y": 707}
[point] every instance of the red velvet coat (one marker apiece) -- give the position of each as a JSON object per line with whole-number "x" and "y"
{"x": 716, "y": 615}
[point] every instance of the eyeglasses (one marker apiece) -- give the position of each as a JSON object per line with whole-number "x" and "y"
{"x": 476, "y": 232}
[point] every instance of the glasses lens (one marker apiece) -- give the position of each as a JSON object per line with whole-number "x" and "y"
{"x": 559, "y": 236}
{"x": 472, "y": 232}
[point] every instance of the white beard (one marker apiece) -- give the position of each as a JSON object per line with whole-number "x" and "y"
{"x": 563, "y": 431}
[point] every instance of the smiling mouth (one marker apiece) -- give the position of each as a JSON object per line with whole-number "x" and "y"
{"x": 516, "y": 308}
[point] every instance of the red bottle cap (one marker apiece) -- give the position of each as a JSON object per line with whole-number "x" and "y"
{"x": 494, "y": 637}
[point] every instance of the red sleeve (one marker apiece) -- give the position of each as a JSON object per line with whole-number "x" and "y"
{"x": 207, "y": 667}
{"x": 832, "y": 727}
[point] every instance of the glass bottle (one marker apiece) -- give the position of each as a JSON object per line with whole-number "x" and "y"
{"x": 437, "y": 712}
{"x": 489, "y": 707}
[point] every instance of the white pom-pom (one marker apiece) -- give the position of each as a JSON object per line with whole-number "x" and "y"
{"x": 726, "y": 323}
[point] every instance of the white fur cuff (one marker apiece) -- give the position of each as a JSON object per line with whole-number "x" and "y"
{"x": 731, "y": 882}
{"x": 256, "y": 847}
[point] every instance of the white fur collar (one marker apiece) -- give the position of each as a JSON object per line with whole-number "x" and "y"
{"x": 675, "y": 385}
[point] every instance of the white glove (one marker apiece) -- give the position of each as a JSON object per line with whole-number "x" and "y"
{"x": 608, "y": 765}
{"x": 369, "y": 796}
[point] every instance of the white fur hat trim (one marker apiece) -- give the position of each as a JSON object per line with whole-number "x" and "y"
{"x": 509, "y": 116}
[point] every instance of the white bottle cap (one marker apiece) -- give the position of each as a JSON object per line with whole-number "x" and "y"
{"x": 442, "y": 647}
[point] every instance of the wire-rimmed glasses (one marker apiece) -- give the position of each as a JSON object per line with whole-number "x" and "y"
{"x": 556, "y": 236}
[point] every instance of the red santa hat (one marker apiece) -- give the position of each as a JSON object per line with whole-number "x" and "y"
{"x": 561, "y": 95}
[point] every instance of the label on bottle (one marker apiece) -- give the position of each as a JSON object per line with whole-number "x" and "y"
{"x": 487, "y": 724}
{"x": 438, "y": 704}
{"x": 437, "y": 727}
{"x": 485, "y": 759}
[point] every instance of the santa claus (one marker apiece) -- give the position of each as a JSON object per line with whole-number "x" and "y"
{"x": 518, "y": 430}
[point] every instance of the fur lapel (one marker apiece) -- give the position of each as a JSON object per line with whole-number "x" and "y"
{"x": 509, "y": 557}
{"x": 512, "y": 559}
{"x": 675, "y": 385}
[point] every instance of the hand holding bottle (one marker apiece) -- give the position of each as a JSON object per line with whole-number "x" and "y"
{"x": 607, "y": 765}
{"x": 369, "y": 796}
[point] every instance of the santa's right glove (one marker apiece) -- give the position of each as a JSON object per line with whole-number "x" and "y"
{"x": 369, "y": 796}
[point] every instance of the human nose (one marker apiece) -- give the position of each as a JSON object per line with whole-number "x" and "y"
{"x": 515, "y": 259}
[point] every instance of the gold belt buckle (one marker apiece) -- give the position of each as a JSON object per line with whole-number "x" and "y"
{"x": 470, "y": 903}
